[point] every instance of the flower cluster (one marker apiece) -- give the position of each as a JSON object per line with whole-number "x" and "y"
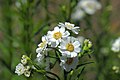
{"x": 116, "y": 69}
{"x": 68, "y": 50}
{"x": 68, "y": 46}
{"x": 23, "y": 68}
{"x": 116, "y": 45}
{"x": 85, "y": 6}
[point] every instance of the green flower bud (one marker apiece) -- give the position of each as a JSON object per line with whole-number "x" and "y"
{"x": 89, "y": 45}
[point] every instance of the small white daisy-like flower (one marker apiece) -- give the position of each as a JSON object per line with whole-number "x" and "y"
{"x": 116, "y": 45}
{"x": 56, "y": 35}
{"x": 78, "y": 14}
{"x": 20, "y": 69}
{"x": 70, "y": 47}
{"x": 70, "y": 26}
{"x": 89, "y": 6}
{"x": 42, "y": 46}
{"x": 68, "y": 63}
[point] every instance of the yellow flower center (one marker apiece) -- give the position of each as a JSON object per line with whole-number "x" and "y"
{"x": 70, "y": 47}
{"x": 42, "y": 44}
{"x": 57, "y": 35}
{"x": 69, "y": 61}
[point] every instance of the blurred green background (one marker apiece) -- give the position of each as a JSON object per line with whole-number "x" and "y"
{"x": 23, "y": 25}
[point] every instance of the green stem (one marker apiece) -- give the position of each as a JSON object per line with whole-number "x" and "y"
{"x": 65, "y": 75}
{"x": 27, "y": 28}
{"x": 70, "y": 11}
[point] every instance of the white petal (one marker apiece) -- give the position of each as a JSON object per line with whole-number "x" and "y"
{"x": 67, "y": 67}
{"x": 52, "y": 39}
{"x": 54, "y": 44}
{"x": 77, "y": 50}
{"x": 38, "y": 50}
{"x": 75, "y": 31}
{"x": 68, "y": 39}
{"x": 62, "y": 50}
{"x": 72, "y": 39}
{"x": 75, "y": 62}
{"x": 39, "y": 55}
{"x": 49, "y": 34}
{"x": 43, "y": 38}
{"x": 62, "y": 29}
{"x": 76, "y": 44}
{"x": 62, "y": 46}
{"x": 56, "y": 29}
{"x": 73, "y": 54}
{"x": 66, "y": 53}
{"x": 66, "y": 34}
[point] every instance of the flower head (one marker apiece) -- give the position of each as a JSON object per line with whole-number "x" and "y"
{"x": 78, "y": 15}
{"x": 20, "y": 69}
{"x": 27, "y": 73}
{"x": 89, "y": 6}
{"x": 24, "y": 60}
{"x": 70, "y": 47}
{"x": 70, "y": 26}
{"x": 68, "y": 63}
{"x": 116, "y": 69}
{"x": 56, "y": 35}
{"x": 116, "y": 45}
{"x": 42, "y": 46}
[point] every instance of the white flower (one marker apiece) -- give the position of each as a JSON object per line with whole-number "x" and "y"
{"x": 70, "y": 47}
{"x": 116, "y": 45}
{"x": 24, "y": 59}
{"x": 27, "y": 68}
{"x": 89, "y": 6}
{"x": 78, "y": 14}
{"x": 39, "y": 57}
{"x": 42, "y": 46}
{"x": 72, "y": 27}
{"x": 56, "y": 35}
{"x": 27, "y": 73}
{"x": 20, "y": 69}
{"x": 69, "y": 63}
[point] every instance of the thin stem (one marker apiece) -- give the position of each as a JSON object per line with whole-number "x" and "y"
{"x": 53, "y": 57}
{"x": 70, "y": 11}
{"x": 27, "y": 28}
{"x": 65, "y": 75}
{"x": 78, "y": 76}
{"x": 56, "y": 51}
